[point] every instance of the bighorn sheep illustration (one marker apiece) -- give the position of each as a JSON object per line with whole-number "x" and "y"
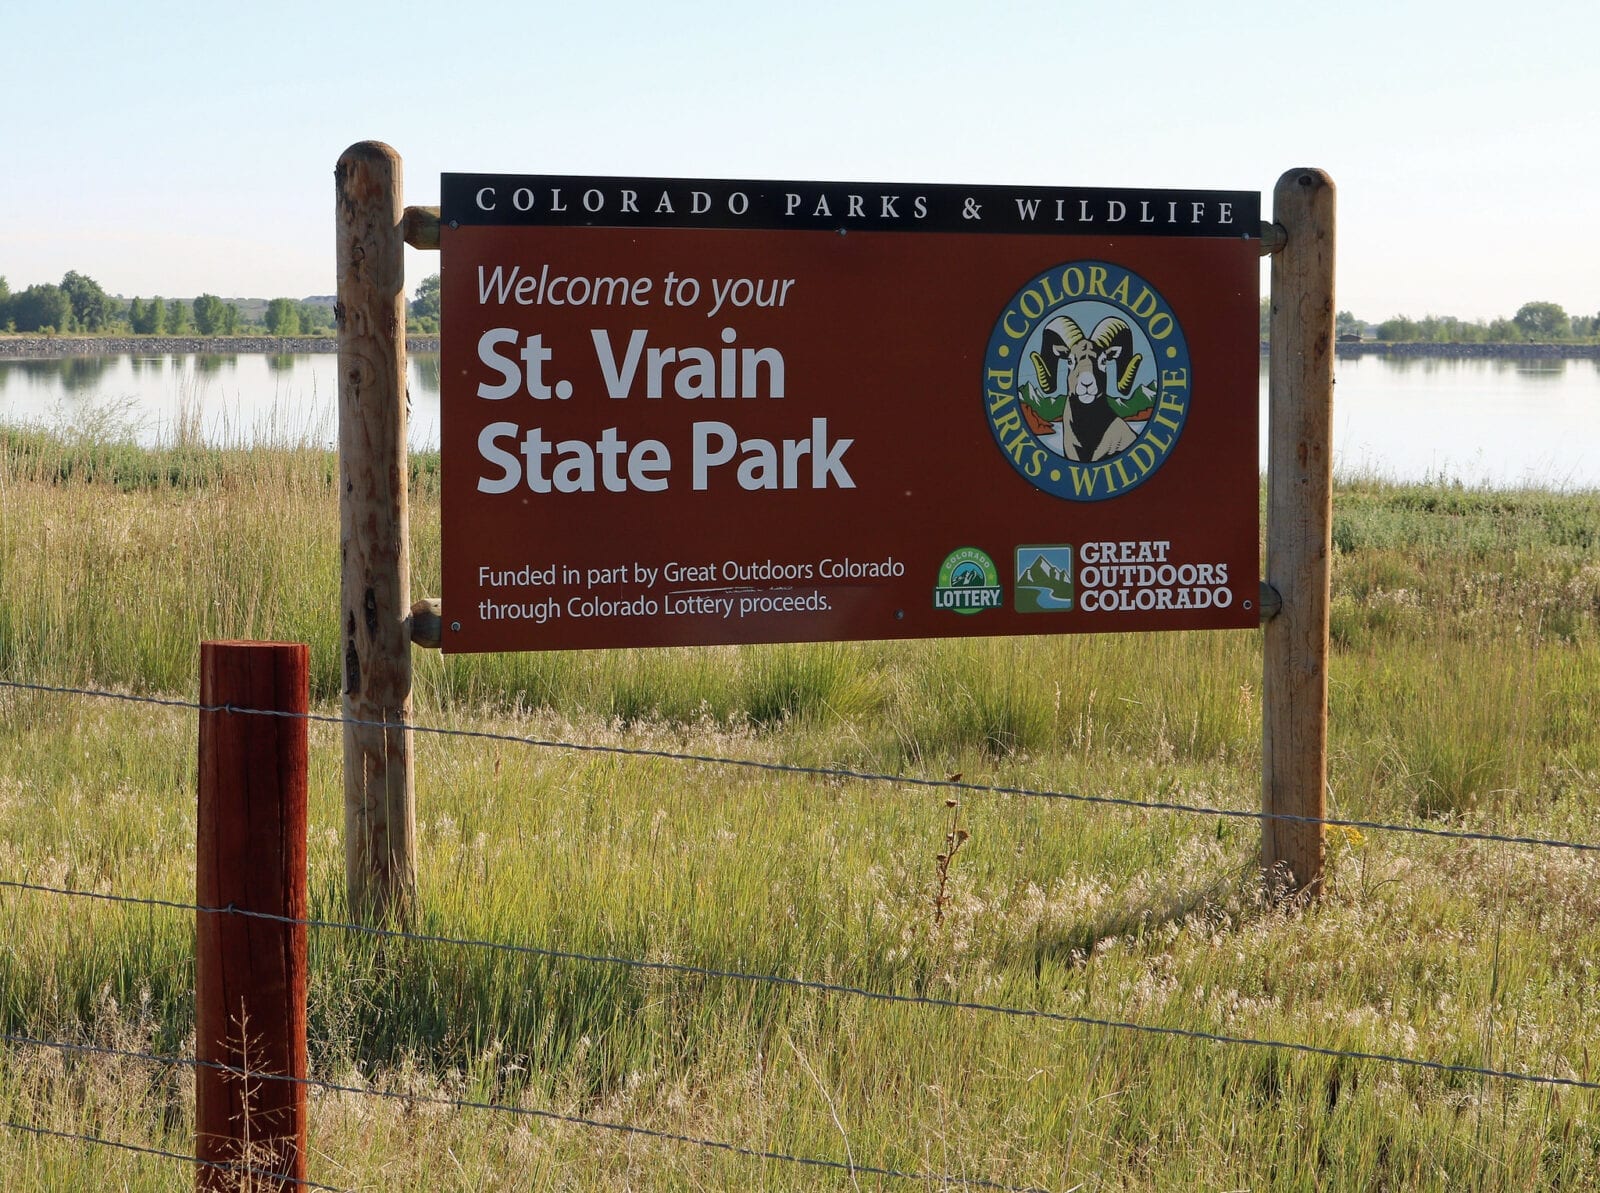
{"x": 1095, "y": 369}
{"x": 1088, "y": 358}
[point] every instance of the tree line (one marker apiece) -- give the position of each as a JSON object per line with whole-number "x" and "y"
{"x": 80, "y": 306}
{"x": 1534, "y": 323}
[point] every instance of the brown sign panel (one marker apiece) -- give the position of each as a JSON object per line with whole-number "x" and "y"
{"x": 669, "y": 417}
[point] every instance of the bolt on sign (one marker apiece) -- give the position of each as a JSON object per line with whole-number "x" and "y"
{"x": 683, "y": 412}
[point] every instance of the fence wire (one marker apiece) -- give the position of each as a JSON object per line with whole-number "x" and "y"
{"x": 683, "y": 969}
{"x": 832, "y": 772}
{"x": 821, "y": 987}
{"x": 577, "y": 1120}
{"x": 237, "y": 1169}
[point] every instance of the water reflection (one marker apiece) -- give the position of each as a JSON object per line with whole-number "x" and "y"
{"x": 1432, "y": 366}
{"x": 221, "y": 397}
{"x": 1427, "y": 365}
{"x": 68, "y": 374}
{"x": 1543, "y": 367}
{"x": 1476, "y": 420}
{"x": 425, "y": 370}
{"x": 38, "y": 371}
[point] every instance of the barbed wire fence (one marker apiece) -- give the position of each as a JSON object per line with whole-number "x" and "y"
{"x": 814, "y": 986}
{"x": 834, "y": 772}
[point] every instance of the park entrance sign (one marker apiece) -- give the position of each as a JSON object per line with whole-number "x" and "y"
{"x": 683, "y": 412}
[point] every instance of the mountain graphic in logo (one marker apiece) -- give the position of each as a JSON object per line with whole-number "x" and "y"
{"x": 1044, "y": 579}
{"x": 968, "y": 582}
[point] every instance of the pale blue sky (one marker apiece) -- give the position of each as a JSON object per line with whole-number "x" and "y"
{"x": 184, "y": 148}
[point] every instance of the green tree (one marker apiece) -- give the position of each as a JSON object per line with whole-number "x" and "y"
{"x": 177, "y": 317}
{"x": 5, "y": 305}
{"x": 1346, "y": 324}
{"x": 41, "y": 308}
{"x": 283, "y": 317}
{"x": 230, "y": 319}
{"x": 1398, "y": 330}
{"x": 315, "y": 318}
{"x": 91, "y": 306}
{"x": 208, "y": 309}
{"x": 1542, "y": 320}
{"x": 426, "y": 304}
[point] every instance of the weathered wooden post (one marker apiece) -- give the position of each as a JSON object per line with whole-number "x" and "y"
{"x": 250, "y": 973}
{"x": 375, "y": 604}
{"x": 1294, "y": 753}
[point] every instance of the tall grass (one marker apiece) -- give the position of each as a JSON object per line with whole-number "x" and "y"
{"x": 1465, "y": 660}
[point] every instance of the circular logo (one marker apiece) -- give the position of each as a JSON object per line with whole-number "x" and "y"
{"x": 968, "y": 582}
{"x": 1086, "y": 381}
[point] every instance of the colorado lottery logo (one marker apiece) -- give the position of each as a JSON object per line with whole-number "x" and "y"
{"x": 968, "y": 582}
{"x": 1086, "y": 381}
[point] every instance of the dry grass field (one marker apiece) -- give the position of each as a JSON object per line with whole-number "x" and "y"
{"x": 1466, "y": 632}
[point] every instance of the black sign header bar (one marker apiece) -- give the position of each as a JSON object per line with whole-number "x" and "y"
{"x": 529, "y": 200}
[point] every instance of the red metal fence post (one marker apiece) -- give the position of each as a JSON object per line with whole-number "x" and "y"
{"x": 250, "y": 973}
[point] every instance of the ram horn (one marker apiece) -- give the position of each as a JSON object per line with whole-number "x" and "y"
{"x": 1060, "y": 334}
{"x": 1112, "y": 332}
{"x": 1065, "y": 329}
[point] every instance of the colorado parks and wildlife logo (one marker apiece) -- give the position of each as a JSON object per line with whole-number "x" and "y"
{"x": 1086, "y": 380}
{"x": 968, "y": 582}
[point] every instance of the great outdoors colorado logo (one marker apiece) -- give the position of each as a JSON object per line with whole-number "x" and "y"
{"x": 1086, "y": 381}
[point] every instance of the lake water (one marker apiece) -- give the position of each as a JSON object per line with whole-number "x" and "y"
{"x": 1480, "y": 422}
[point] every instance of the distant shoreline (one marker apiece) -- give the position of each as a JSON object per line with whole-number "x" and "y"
{"x": 1466, "y": 351}
{"x": 51, "y": 347}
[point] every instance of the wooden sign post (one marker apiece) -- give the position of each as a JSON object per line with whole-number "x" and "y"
{"x": 1294, "y": 719}
{"x": 374, "y": 529}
